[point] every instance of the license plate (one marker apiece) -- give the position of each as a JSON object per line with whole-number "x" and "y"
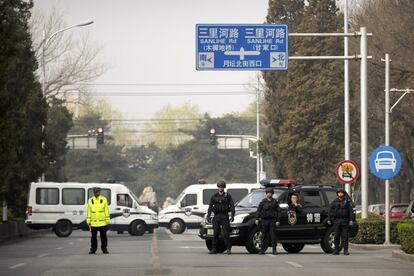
{"x": 210, "y": 232}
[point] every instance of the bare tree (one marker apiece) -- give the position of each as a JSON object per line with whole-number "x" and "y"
{"x": 69, "y": 62}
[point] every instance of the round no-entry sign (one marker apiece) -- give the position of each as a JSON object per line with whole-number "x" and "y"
{"x": 347, "y": 171}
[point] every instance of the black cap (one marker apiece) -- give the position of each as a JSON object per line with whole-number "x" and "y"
{"x": 221, "y": 184}
{"x": 269, "y": 190}
{"x": 96, "y": 189}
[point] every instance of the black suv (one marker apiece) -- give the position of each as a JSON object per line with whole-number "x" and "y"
{"x": 309, "y": 227}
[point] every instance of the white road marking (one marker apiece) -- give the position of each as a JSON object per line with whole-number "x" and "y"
{"x": 42, "y": 255}
{"x": 191, "y": 247}
{"x": 295, "y": 264}
{"x": 71, "y": 243}
{"x": 311, "y": 246}
{"x": 58, "y": 248}
{"x": 17, "y": 265}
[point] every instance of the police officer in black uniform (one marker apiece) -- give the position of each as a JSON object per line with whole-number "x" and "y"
{"x": 221, "y": 203}
{"x": 341, "y": 215}
{"x": 268, "y": 216}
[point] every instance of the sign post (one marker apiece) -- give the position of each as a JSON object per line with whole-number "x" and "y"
{"x": 385, "y": 163}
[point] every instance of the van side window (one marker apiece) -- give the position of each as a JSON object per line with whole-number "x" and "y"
{"x": 104, "y": 192}
{"x": 124, "y": 200}
{"x": 311, "y": 199}
{"x": 237, "y": 194}
{"x": 47, "y": 196}
{"x": 73, "y": 196}
{"x": 189, "y": 200}
{"x": 207, "y": 194}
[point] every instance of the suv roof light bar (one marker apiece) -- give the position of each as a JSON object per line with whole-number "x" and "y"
{"x": 267, "y": 182}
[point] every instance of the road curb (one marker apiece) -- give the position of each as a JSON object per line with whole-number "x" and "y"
{"x": 402, "y": 255}
{"x": 374, "y": 246}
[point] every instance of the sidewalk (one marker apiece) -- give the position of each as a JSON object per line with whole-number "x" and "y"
{"x": 374, "y": 246}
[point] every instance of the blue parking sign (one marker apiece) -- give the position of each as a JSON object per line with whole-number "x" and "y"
{"x": 241, "y": 47}
{"x": 385, "y": 162}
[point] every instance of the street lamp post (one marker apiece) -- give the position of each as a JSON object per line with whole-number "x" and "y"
{"x": 44, "y": 43}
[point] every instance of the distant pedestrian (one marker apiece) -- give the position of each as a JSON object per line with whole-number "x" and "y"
{"x": 268, "y": 216}
{"x": 341, "y": 215}
{"x": 221, "y": 204}
{"x": 97, "y": 219}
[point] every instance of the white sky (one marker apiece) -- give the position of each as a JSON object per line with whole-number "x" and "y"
{"x": 153, "y": 41}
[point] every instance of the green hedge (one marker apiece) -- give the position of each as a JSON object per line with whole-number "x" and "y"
{"x": 406, "y": 234}
{"x": 372, "y": 231}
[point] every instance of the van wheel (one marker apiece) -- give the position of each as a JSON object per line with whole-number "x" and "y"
{"x": 221, "y": 247}
{"x": 137, "y": 228}
{"x": 254, "y": 241}
{"x": 63, "y": 228}
{"x": 177, "y": 226}
{"x": 293, "y": 247}
{"x": 327, "y": 243}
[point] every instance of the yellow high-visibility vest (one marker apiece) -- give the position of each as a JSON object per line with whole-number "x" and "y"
{"x": 98, "y": 212}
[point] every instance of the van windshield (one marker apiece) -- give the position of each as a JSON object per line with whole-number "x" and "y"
{"x": 179, "y": 197}
{"x": 253, "y": 199}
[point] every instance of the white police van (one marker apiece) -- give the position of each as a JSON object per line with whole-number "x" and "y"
{"x": 191, "y": 205}
{"x": 63, "y": 206}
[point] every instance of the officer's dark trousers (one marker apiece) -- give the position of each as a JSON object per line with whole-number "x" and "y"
{"x": 94, "y": 240}
{"x": 341, "y": 227}
{"x": 223, "y": 221}
{"x": 268, "y": 229}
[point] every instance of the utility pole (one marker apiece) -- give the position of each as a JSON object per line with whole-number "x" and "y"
{"x": 346, "y": 95}
{"x": 387, "y": 143}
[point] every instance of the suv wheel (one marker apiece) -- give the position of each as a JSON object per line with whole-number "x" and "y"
{"x": 327, "y": 243}
{"x": 137, "y": 228}
{"x": 221, "y": 247}
{"x": 293, "y": 247}
{"x": 177, "y": 226}
{"x": 63, "y": 228}
{"x": 254, "y": 241}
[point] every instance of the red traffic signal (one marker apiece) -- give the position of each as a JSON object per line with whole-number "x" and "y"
{"x": 212, "y": 131}
{"x": 100, "y": 130}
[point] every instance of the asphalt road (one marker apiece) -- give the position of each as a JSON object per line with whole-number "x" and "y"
{"x": 165, "y": 254}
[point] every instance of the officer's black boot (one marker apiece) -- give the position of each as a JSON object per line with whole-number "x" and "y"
{"x": 213, "y": 251}
{"x": 261, "y": 252}
{"x": 105, "y": 251}
{"x": 346, "y": 252}
{"x": 228, "y": 252}
{"x": 91, "y": 251}
{"x": 336, "y": 252}
{"x": 274, "y": 252}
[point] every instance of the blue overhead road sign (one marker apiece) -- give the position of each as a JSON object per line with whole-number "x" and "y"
{"x": 385, "y": 162}
{"x": 241, "y": 47}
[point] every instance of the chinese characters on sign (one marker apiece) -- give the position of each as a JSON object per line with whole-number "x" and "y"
{"x": 241, "y": 47}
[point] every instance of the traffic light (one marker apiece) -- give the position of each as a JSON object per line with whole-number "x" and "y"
{"x": 213, "y": 136}
{"x": 100, "y": 135}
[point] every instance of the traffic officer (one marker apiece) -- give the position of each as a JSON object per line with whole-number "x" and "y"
{"x": 268, "y": 215}
{"x": 341, "y": 215}
{"x": 221, "y": 203}
{"x": 97, "y": 219}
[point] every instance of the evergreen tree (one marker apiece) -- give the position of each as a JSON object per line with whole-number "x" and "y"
{"x": 309, "y": 126}
{"x": 22, "y": 106}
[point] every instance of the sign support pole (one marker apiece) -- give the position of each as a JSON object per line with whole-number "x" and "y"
{"x": 364, "y": 124}
{"x": 346, "y": 95}
{"x": 387, "y": 143}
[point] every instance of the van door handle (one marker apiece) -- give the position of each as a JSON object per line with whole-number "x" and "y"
{"x": 118, "y": 209}
{"x": 195, "y": 208}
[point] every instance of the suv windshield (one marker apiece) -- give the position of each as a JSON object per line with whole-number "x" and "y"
{"x": 253, "y": 199}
